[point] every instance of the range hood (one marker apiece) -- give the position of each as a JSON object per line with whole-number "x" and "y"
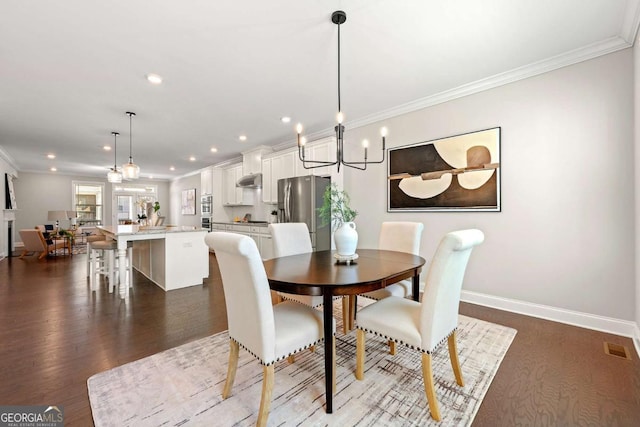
{"x": 250, "y": 181}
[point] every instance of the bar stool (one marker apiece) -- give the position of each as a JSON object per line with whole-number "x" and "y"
{"x": 103, "y": 260}
{"x": 90, "y": 239}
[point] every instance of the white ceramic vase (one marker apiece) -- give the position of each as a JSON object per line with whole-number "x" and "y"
{"x": 346, "y": 239}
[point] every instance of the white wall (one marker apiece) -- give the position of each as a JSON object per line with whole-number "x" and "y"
{"x": 175, "y": 190}
{"x": 636, "y": 77}
{"x": 565, "y": 235}
{"x": 5, "y": 216}
{"x": 36, "y": 194}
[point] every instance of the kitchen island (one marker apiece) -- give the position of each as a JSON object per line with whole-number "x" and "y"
{"x": 171, "y": 257}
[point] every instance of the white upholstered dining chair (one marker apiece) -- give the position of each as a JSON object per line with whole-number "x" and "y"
{"x": 292, "y": 238}
{"x": 270, "y": 333}
{"x": 424, "y": 326}
{"x": 399, "y": 236}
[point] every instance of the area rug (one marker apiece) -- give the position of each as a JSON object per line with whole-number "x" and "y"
{"x": 182, "y": 386}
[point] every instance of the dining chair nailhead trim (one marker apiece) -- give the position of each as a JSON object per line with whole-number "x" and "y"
{"x": 312, "y": 306}
{"x": 279, "y": 358}
{"x": 409, "y": 345}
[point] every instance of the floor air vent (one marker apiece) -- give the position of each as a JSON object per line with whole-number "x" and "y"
{"x": 616, "y": 350}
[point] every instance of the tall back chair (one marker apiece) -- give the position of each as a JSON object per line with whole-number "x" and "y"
{"x": 399, "y": 236}
{"x": 394, "y": 318}
{"x": 292, "y": 238}
{"x": 269, "y": 333}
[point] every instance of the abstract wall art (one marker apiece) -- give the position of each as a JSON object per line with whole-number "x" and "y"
{"x": 188, "y": 203}
{"x": 456, "y": 173}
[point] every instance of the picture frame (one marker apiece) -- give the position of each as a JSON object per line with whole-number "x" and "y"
{"x": 459, "y": 173}
{"x": 188, "y": 202}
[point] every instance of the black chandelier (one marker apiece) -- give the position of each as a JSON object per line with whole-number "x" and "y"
{"x": 338, "y": 17}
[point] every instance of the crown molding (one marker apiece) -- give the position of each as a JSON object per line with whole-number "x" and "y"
{"x": 610, "y": 45}
{"x": 7, "y": 158}
{"x": 631, "y": 22}
{"x": 594, "y": 50}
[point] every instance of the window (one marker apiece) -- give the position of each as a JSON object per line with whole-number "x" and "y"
{"x": 88, "y": 200}
{"x": 128, "y": 201}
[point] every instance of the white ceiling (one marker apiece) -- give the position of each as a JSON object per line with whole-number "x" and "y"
{"x": 69, "y": 70}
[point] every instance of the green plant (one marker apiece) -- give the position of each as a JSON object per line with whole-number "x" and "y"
{"x": 156, "y": 207}
{"x": 336, "y": 209}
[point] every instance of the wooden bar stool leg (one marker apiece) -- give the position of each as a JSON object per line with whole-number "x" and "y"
{"x": 111, "y": 269}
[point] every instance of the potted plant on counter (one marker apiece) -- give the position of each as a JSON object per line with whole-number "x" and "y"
{"x": 336, "y": 210}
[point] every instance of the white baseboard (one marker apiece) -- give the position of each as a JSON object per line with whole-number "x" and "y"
{"x": 636, "y": 339}
{"x": 584, "y": 320}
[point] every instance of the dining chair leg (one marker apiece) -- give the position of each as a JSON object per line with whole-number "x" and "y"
{"x": 346, "y": 320}
{"x": 234, "y": 349}
{"x": 427, "y": 378}
{"x": 352, "y": 311}
{"x": 453, "y": 355}
{"x": 265, "y": 400}
{"x": 360, "y": 335}
{"x": 392, "y": 348}
{"x": 291, "y": 358}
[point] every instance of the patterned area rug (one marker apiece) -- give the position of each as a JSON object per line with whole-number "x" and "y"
{"x": 182, "y": 386}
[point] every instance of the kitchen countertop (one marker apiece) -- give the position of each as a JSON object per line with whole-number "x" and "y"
{"x": 135, "y": 229}
{"x": 257, "y": 224}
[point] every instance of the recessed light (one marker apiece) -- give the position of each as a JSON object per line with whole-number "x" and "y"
{"x": 214, "y": 150}
{"x": 106, "y": 148}
{"x": 192, "y": 159}
{"x": 154, "y": 79}
{"x": 150, "y": 176}
{"x": 53, "y": 169}
{"x": 51, "y": 156}
{"x": 172, "y": 168}
{"x": 242, "y": 137}
{"x": 285, "y": 119}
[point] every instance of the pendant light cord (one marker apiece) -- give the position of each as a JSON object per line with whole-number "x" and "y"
{"x": 115, "y": 151}
{"x": 339, "y": 105}
{"x": 130, "y": 138}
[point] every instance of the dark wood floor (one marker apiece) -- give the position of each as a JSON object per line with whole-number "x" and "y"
{"x": 55, "y": 334}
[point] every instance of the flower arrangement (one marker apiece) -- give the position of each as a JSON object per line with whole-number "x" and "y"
{"x": 336, "y": 209}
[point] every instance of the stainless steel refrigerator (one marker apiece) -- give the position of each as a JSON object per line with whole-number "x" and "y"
{"x": 298, "y": 201}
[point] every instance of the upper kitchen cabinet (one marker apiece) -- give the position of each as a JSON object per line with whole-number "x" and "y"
{"x": 232, "y": 195}
{"x": 275, "y": 167}
{"x": 322, "y": 150}
{"x": 206, "y": 181}
{"x": 252, "y": 159}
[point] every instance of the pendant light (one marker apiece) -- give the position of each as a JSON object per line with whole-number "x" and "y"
{"x": 130, "y": 170}
{"x": 338, "y": 17}
{"x": 114, "y": 175}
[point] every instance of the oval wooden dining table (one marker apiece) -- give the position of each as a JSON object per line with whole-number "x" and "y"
{"x": 319, "y": 273}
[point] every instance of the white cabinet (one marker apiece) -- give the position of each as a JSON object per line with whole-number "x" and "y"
{"x": 234, "y": 196}
{"x": 252, "y": 160}
{"x": 267, "y": 186}
{"x": 280, "y": 166}
{"x": 287, "y": 164}
{"x": 323, "y": 151}
{"x": 266, "y": 246}
{"x": 259, "y": 234}
{"x": 206, "y": 181}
